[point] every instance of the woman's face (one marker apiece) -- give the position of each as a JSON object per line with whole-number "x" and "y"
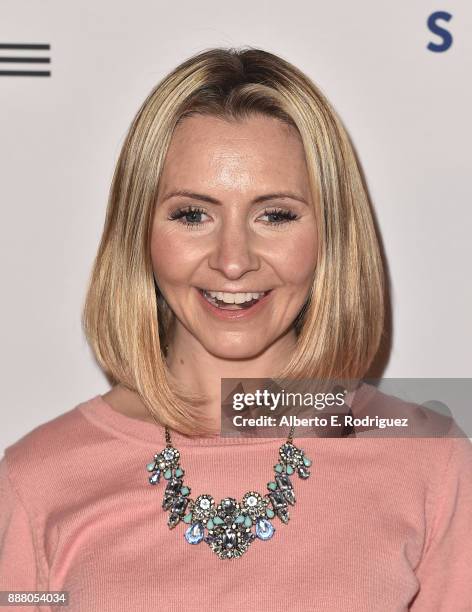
{"x": 245, "y": 226}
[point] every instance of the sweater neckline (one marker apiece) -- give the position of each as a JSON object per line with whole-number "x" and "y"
{"x": 100, "y": 412}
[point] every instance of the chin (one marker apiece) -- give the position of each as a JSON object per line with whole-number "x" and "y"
{"x": 235, "y": 350}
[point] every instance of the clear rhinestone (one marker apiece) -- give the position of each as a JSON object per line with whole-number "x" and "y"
{"x": 204, "y": 503}
{"x": 251, "y": 501}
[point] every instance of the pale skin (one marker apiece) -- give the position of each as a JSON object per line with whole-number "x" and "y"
{"x": 232, "y": 243}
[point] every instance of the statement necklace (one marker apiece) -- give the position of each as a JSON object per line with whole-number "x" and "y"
{"x": 227, "y": 526}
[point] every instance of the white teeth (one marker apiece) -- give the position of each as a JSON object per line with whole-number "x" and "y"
{"x": 234, "y": 298}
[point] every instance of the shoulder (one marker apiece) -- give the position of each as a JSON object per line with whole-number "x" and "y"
{"x": 43, "y": 442}
{"x": 429, "y": 450}
{"x": 414, "y": 420}
{"x": 48, "y": 449}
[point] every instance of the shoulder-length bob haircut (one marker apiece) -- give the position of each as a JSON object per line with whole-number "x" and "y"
{"x": 125, "y": 318}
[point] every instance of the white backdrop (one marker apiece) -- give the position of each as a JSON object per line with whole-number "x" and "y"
{"x": 406, "y": 107}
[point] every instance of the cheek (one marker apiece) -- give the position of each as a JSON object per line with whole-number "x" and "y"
{"x": 173, "y": 257}
{"x": 165, "y": 257}
{"x": 296, "y": 259}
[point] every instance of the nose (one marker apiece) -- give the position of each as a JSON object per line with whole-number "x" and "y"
{"x": 233, "y": 253}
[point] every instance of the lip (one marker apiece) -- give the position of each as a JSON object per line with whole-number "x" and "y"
{"x": 233, "y": 290}
{"x": 230, "y": 315}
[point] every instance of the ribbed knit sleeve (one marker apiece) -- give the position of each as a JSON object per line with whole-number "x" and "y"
{"x": 445, "y": 569}
{"x": 17, "y": 553}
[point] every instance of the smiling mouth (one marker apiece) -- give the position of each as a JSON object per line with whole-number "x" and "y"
{"x": 233, "y": 301}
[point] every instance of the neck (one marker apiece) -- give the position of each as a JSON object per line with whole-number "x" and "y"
{"x": 201, "y": 371}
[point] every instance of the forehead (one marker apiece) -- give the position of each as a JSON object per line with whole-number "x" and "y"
{"x": 206, "y": 150}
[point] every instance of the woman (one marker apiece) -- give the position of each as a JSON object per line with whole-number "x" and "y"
{"x": 238, "y": 243}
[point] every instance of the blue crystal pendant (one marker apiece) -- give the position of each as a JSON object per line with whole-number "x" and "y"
{"x": 264, "y": 529}
{"x": 228, "y": 527}
{"x": 195, "y": 533}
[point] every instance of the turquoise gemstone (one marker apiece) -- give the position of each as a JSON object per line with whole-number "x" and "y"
{"x": 279, "y": 468}
{"x": 179, "y": 472}
{"x": 168, "y": 474}
{"x": 247, "y": 521}
{"x": 218, "y": 521}
{"x": 270, "y": 513}
{"x": 272, "y": 486}
{"x": 151, "y": 466}
{"x": 187, "y": 518}
{"x": 185, "y": 490}
{"x": 307, "y": 461}
{"x": 289, "y": 469}
{"x": 210, "y": 524}
{"x": 239, "y": 519}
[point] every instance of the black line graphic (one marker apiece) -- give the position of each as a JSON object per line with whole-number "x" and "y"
{"x": 30, "y": 59}
{"x": 25, "y": 60}
{"x": 21, "y": 46}
{"x": 35, "y": 73}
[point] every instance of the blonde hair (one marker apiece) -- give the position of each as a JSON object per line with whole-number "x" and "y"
{"x": 125, "y": 319}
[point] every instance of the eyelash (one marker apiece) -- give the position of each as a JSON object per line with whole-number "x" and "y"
{"x": 287, "y": 215}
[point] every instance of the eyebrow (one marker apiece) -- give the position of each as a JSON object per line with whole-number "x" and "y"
{"x": 263, "y": 198}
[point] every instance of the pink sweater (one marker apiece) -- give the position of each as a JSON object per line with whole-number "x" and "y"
{"x": 381, "y": 525}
